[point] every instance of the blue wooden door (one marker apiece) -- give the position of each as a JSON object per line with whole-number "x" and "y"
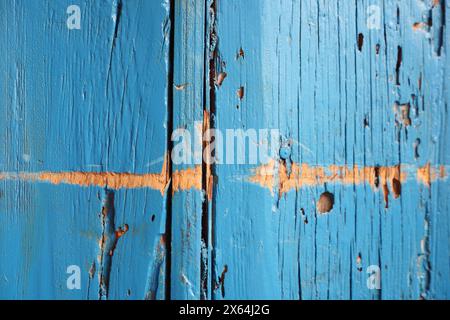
{"x": 107, "y": 111}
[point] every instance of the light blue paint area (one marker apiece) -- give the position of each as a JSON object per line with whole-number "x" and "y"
{"x": 303, "y": 73}
{"x": 89, "y": 100}
{"x": 97, "y": 99}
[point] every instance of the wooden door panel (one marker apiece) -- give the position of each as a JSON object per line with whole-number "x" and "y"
{"x": 80, "y": 102}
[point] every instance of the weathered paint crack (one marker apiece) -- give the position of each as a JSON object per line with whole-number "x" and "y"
{"x": 116, "y": 14}
{"x": 91, "y": 274}
{"x": 156, "y": 269}
{"x": 108, "y": 242}
{"x": 438, "y": 15}
{"x": 423, "y": 259}
{"x": 221, "y": 281}
{"x": 187, "y": 179}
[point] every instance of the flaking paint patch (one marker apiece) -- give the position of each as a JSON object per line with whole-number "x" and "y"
{"x": 387, "y": 178}
{"x": 428, "y": 174}
{"x": 187, "y": 179}
{"x": 304, "y": 175}
{"x": 109, "y": 180}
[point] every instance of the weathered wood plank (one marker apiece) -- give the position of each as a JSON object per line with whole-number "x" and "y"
{"x": 83, "y": 100}
{"x": 188, "y": 99}
{"x": 316, "y": 71}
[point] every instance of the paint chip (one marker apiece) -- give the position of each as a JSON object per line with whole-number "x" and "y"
{"x": 181, "y": 87}
{"x": 240, "y": 93}
{"x": 221, "y": 78}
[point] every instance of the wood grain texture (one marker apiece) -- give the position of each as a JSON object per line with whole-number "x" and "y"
{"x": 89, "y": 100}
{"x": 359, "y": 177}
{"x": 304, "y": 73}
{"x": 187, "y": 206}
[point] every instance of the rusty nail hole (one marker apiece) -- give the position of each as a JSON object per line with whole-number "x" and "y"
{"x": 240, "y": 93}
{"x": 121, "y": 231}
{"x": 325, "y": 203}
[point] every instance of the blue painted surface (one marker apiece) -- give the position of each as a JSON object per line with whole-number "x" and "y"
{"x": 304, "y": 74}
{"x": 189, "y": 71}
{"x": 105, "y": 98}
{"x": 81, "y": 100}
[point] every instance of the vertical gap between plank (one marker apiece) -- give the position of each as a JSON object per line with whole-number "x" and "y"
{"x": 206, "y": 264}
{"x": 169, "y": 147}
{"x": 204, "y": 220}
